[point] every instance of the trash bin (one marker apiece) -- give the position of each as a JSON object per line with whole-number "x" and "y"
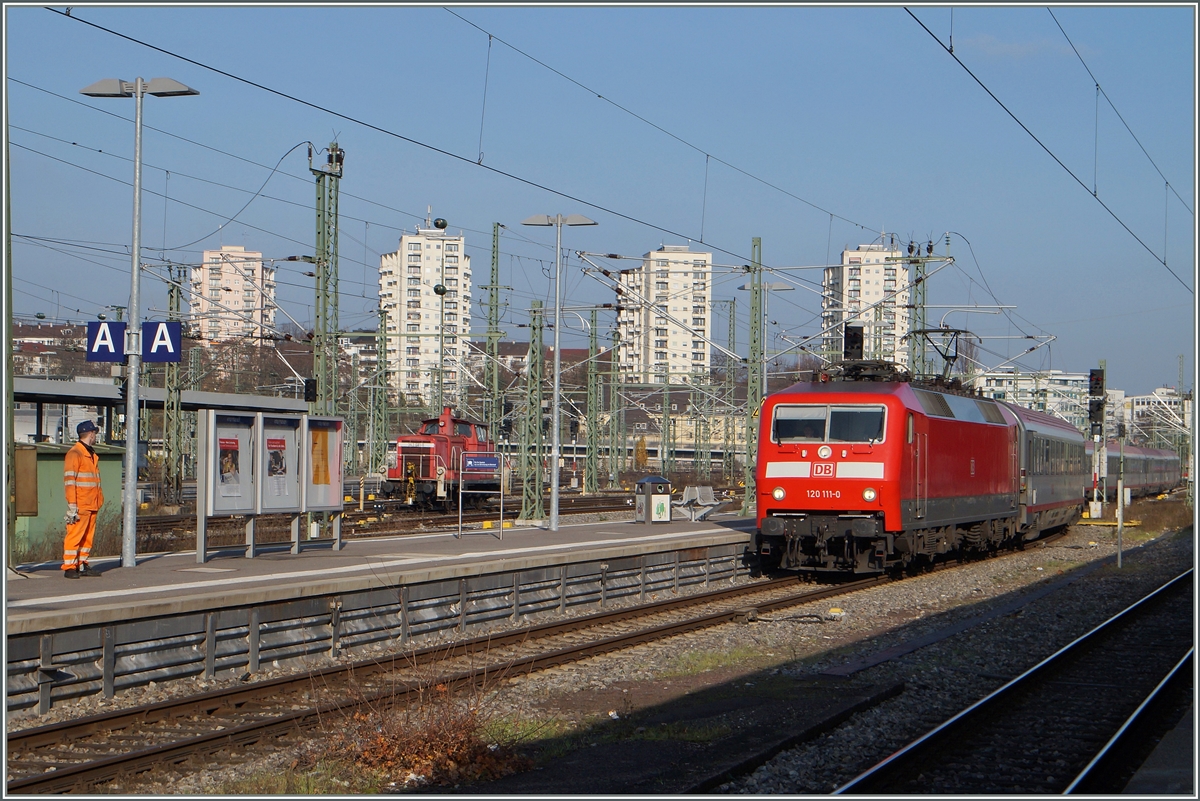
{"x": 653, "y": 500}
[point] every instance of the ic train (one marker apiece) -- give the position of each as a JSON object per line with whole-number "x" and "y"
{"x": 869, "y": 472}
{"x": 428, "y": 467}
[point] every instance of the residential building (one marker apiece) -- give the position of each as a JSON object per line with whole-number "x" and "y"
{"x": 665, "y": 317}
{"x": 427, "y": 332}
{"x": 869, "y": 288}
{"x": 233, "y": 296}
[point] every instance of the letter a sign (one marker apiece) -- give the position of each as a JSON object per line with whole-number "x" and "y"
{"x": 105, "y": 341}
{"x": 161, "y": 341}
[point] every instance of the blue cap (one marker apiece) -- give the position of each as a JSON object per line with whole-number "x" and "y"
{"x": 84, "y": 427}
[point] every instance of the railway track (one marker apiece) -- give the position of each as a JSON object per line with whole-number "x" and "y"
{"x": 80, "y": 755}
{"x": 1066, "y": 724}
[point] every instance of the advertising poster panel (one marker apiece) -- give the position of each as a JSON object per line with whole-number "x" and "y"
{"x": 323, "y": 463}
{"x": 280, "y": 462}
{"x": 231, "y": 485}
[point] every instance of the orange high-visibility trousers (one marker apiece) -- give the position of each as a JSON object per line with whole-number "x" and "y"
{"x": 77, "y": 545}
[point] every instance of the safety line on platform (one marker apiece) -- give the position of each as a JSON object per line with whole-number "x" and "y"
{"x": 222, "y": 582}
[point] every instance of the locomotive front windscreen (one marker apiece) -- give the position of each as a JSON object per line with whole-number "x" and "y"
{"x": 828, "y": 424}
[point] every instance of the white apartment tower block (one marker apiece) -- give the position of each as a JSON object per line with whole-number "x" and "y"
{"x": 662, "y": 338}
{"x": 233, "y": 296}
{"x": 867, "y": 289}
{"x": 420, "y": 323}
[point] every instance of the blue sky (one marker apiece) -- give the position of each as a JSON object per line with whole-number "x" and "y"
{"x": 857, "y": 114}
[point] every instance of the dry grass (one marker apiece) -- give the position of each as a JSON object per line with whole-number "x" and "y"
{"x": 437, "y": 740}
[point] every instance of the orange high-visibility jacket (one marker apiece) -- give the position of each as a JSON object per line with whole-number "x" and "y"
{"x": 81, "y": 478}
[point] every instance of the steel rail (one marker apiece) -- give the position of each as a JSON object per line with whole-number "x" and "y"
{"x": 86, "y": 775}
{"x": 1116, "y": 753}
{"x": 879, "y": 774}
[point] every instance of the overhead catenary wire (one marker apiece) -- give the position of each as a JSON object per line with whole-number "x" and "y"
{"x": 379, "y": 129}
{"x": 656, "y": 126}
{"x": 1049, "y": 152}
{"x": 1100, "y": 90}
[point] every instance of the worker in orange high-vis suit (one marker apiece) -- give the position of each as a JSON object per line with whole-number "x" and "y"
{"x": 81, "y": 480}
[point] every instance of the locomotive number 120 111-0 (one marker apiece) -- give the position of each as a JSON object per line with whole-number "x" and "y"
{"x": 812, "y": 493}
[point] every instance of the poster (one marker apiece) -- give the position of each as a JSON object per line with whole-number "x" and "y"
{"x": 229, "y": 462}
{"x": 320, "y": 456}
{"x": 277, "y": 480}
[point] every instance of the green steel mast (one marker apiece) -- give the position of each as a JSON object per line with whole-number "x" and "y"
{"x": 532, "y": 452}
{"x": 591, "y": 463}
{"x": 173, "y": 409}
{"x": 377, "y": 420}
{"x": 727, "y": 462}
{"x": 325, "y": 334}
{"x": 755, "y": 371}
{"x": 616, "y": 428}
{"x": 493, "y": 408}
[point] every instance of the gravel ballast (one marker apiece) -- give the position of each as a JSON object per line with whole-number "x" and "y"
{"x": 940, "y": 679}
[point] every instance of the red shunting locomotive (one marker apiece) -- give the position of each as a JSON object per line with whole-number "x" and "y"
{"x": 427, "y": 464}
{"x": 867, "y": 476}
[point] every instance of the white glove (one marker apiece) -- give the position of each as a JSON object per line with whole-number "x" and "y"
{"x": 72, "y": 515}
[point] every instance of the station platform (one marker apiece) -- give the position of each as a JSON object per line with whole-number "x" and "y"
{"x": 175, "y": 583}
{"x": 172, "y": 617}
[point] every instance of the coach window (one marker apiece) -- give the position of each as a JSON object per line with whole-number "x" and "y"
{"x": 800, "y": 423}
{"x": 909, "y": 434}
{"x": 464, "y": 429}
{"x": 430, "y": 428}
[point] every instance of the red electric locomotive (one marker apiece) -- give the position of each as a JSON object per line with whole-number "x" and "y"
{"x": 427, "y": 464}
{"x": 866, "y": 476}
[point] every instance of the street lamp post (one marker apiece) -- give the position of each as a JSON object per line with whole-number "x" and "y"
{"x": 558, "y": 221}
{"x": 137, "y": 89}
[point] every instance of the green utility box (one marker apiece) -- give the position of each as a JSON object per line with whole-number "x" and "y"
{"x": 39, "y": 537}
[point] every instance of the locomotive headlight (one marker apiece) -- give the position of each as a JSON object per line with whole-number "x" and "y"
{"x": 778, "y": 494}
{"x": 869, "y": 494}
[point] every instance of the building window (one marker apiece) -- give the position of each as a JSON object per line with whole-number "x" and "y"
{"x": 414, "y": 247}
{"x": 414, "y": 258}
{"x": 452, "y": 247}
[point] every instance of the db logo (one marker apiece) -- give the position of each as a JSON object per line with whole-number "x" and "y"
{"x": 823, "y": 470}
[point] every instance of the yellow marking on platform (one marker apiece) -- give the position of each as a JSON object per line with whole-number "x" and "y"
{"x": 1110, "y": 523}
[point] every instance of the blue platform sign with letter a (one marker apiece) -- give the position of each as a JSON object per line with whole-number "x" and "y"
{"x": 105, "y": 341}
{"x": 480, "y": 464}
{"x": 161, "y": 341}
